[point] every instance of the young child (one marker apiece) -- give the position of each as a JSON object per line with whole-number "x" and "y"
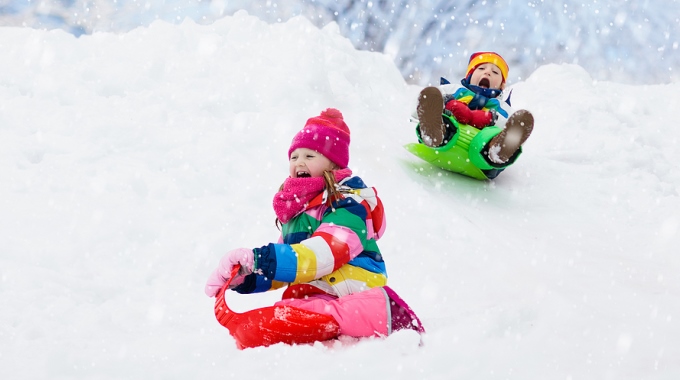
{"x": 477, "y": 103}
{"x": 327, "y": 254}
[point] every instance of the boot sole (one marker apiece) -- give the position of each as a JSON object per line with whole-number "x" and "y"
{"x": 430, "y": 108}
{"x": 516, "y": 132}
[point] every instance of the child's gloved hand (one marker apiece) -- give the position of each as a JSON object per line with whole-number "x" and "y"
{"x": 480, "y": 119}
{"x": 219, "y": 276}
{"x": 459, "y": 110}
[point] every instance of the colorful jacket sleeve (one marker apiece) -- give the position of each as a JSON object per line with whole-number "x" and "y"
{"x": 343, "y": 231}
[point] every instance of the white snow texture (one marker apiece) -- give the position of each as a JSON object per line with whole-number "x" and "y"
{"x": 132, "y": 162}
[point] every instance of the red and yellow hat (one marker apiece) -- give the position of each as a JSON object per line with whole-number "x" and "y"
{"x": 479, "y": 58}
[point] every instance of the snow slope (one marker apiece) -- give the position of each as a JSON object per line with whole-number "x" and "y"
{"x": 131, "y": 162}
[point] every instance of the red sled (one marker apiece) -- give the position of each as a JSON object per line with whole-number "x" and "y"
{"x": 273, "y": 324}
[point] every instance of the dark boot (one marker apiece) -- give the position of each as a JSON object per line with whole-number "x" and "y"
{"x": 516, "y": 132}
{"x": 402, "y": 317}
{"x": 430, "y": 108}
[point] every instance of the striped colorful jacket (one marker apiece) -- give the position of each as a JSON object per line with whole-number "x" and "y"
{"x": 332, "y": 249}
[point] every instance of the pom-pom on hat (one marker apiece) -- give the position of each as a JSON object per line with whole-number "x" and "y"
{"x": 327, "y": 134}
{"x": 477, "y": 59}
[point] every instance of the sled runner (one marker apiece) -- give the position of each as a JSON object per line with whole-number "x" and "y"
{"x": 273, "y": 324}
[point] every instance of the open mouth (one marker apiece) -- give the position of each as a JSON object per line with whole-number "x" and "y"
{"x": 484, "y": 83}
{"x": 302, "y": 175}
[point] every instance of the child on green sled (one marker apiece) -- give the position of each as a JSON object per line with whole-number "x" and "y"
{"x": 497, "y": 134}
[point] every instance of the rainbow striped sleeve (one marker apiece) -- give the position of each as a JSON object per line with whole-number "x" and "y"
{"x": 345, "y": 232}
{"x": 334, "y": 243}
{"x": 339, "y": 238}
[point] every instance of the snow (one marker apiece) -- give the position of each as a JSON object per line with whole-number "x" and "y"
{"x": 633, "y": 42}
{"x": 131, "y": 162}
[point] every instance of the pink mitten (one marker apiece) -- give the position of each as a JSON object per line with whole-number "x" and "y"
{"x": 243, "y": 256}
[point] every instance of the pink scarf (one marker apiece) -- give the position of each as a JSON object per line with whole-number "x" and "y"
{"x": 297, "y": 192}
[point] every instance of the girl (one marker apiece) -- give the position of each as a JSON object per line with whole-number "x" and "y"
{"x": 328, "y": 254}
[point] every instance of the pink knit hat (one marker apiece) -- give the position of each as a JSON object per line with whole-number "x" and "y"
{"x": 327, "y": 134}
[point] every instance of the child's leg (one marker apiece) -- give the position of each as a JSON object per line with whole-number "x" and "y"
{"x": 493, "y": 149}
{"x": 361, "y": 314}
{"x": 517, "y": 130}
{"x": 377, "y": 311}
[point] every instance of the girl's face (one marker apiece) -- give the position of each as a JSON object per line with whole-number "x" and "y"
{"x": 308, "y": 163}
{"x": 487, "y": 75}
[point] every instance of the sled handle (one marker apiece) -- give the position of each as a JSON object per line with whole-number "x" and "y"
{"x": 222, "y": 312}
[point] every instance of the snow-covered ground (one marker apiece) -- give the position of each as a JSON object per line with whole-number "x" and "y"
{"x": 131, "y": 162}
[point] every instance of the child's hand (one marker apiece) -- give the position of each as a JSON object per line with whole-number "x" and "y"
{"x": 459, "y": 110}
{"x": 219, "y": 276}
{"x": 480, "y": 119}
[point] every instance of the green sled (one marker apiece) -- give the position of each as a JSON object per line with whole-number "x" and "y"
{"x": 463, "y": 153}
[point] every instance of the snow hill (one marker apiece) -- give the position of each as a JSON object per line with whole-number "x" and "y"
{"x": 131, "y": 162}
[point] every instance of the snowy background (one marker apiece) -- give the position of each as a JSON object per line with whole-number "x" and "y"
{"x": 132, "y": 162}
{"x": 627, "y": 41}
